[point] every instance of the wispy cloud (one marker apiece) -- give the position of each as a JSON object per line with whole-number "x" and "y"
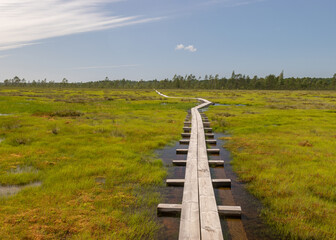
{"x": 106, "y": 67}
{"x": 189, "y": 48}
{"x": 25, "y": 21}
{"x": 4, "y": 56}
{"x": 231, "y": 3}
{"x": 17, "y": 45}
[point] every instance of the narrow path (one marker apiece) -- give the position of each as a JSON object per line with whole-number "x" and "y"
{"x": 199, "y": 210}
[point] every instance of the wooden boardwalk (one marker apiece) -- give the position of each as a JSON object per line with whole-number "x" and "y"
{"x": 199, "y": 210}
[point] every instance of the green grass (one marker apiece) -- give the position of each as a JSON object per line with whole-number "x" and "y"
{"x": 283, "y": 144}
{"x": 68, "y": 140}
{"x": 93, "y": 152}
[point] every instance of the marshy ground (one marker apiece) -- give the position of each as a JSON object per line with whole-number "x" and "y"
{"x": 83, "y": 162}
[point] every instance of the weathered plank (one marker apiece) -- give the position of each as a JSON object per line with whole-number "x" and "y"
{"x": 169, "y": 208}
{"x": 211, "y": 162}
{"x": 181, "y": 151}
{"x": 205, "y": 124}
{"x": 211, "y": 141}
{"x": 209, "y": 151}
{"x": 225, "y": 211}
{"x": 199, "y": 211}
{"x": 186, "y": 135}
{"x": 209, "y": 135}
{"x": 230, "y": 211}
{"x": 215, "y": 182}
{"x": 207, "y": 129}
{"x": 209, "y": 218}
{"x": 184, "y": 141}
{"x": 208, "y": 141}
{"x": 186, "y": 129}
{"x": 213, "y": 151}
{"x": 190, "y": 215}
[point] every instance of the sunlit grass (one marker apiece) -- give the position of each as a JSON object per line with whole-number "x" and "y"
{"x": 68, "y": 140}
{"x": 284, "y": 145}
{"x": 93, "y": 152}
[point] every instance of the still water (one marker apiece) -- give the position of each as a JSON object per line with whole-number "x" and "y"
{"x": 251, "y": 226}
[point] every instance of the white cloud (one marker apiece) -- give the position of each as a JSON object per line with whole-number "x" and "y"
{"x": 7, "y": 47}
{"x": 189, "y": 48}
{"x": 179, "y": 47}
{"x": 25, "y": 21}
{"x": 230, "y": 3}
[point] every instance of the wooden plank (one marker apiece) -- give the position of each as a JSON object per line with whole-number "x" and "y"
{"x": 184, "y": 141}
{"x": 185, "y": 135}
{"x": 221, "y": 183}
{"x": 209, "y": 151}
{"x": 230, "y": 211}
{"x": 210, "y": 135}
{"x": 211, "y": 141}
{"x": 215, "y": 182}
{"x": 186, "y": 129}
{"x": 175, "y": 182}
{"x": 199, "y": 212}
{"x": 213, "y": 151}
{"x": 209, "y": 218}
{"x": 190, "y": 215}
{"x": 211, "y": 162}
{"x": 224, "y": 211}
{"x": 207, "y": 129}
{"x": 206, "y": 124}
{"x": 180, "y": 162}
{"x": 216, "y": 162}
{"x": 169, "y": 208}
{"x": 208, "y": 141}
{"x": 181, "y": 151}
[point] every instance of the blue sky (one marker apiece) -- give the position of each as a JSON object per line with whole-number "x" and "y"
{"x": 88, "y": 40}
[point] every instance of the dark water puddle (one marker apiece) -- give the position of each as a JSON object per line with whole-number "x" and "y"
{"x": 22, "y": 169}
{"x": 173, "y": 195}
{"x": 100, "y": 180}
{"x": 254, "y": 226}
{"x": 251, "y": 226}
{"x": 6, "y": 191}
{"x": 10, "y": 190}
{"x": 4, "y": 114}
{"x": 2, "y": 139}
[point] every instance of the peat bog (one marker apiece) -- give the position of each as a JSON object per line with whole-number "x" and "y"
{"x": 85, "y": 162}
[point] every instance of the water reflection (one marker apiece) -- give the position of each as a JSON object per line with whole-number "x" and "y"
{"x": 171, "y": 224}
{"x": 254, "y": 226}
{"x": 6, "y": 191}
{"x": 250, "y": 226}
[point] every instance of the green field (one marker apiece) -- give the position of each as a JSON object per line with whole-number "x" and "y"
{"x": 90, "y": 155}
{"x": 92, "y": 150}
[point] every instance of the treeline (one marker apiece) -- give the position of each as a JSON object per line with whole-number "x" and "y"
{"x": 237, "y": 81}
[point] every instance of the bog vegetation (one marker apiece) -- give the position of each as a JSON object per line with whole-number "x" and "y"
{"x": 86, "y": 160}
{"x": 91, "y": 151}
{"x": 283, "y": 144}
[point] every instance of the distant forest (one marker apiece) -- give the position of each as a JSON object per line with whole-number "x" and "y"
{"x": 236, "y": 82}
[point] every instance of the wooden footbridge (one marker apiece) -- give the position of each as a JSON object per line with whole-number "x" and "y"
{"x": 200, "y": 215}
